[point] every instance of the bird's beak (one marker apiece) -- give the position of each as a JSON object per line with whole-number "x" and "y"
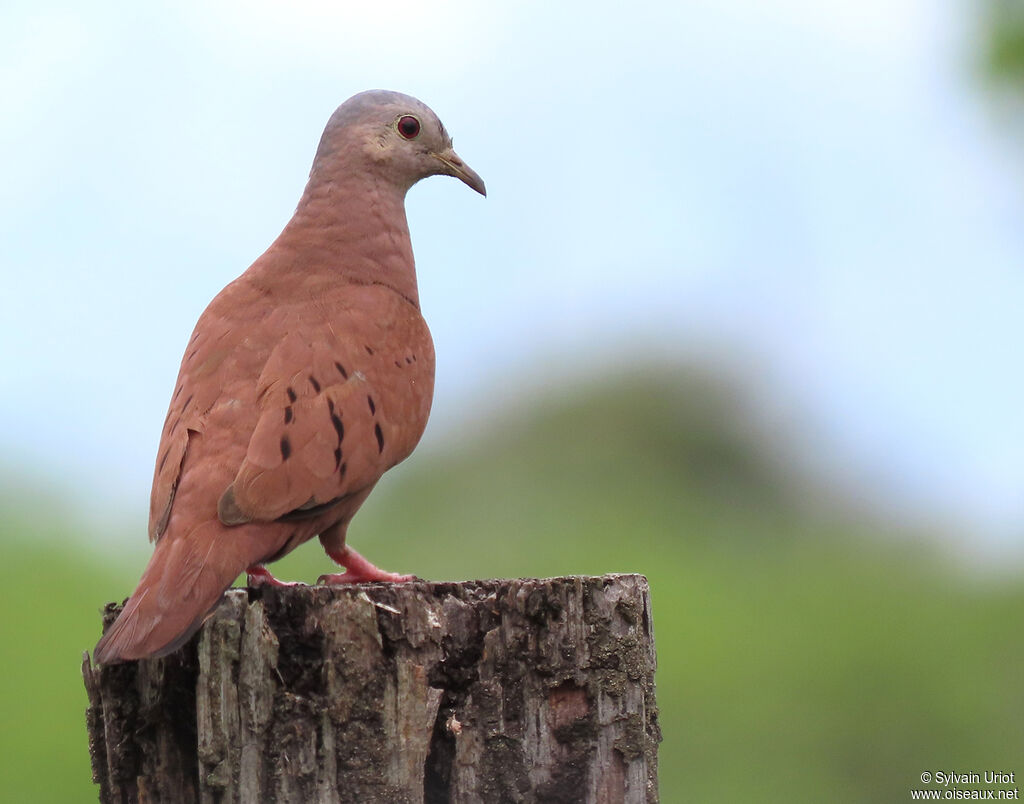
{"x": 454, "y": 166}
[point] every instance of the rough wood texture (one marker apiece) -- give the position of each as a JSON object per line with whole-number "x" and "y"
{"x": 483, "y": 691}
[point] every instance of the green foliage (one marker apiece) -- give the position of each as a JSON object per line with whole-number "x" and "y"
{"x": 53, "y": 593}
{"x": 803, "y": 656}
{"x": 1004, "y": 42}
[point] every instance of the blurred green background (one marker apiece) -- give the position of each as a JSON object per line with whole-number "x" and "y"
{"x": 807, "y": 651}
{"x": 814, "y": 644}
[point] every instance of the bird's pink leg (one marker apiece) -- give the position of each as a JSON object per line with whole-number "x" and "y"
{"x": 260, "y": 576}
{"x": 358, "y": 569}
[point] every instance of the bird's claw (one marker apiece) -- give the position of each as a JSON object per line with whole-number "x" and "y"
{"x": 261, "y": 576}
{"x": 359, "y": 570}
{"x": 348, "y": 576}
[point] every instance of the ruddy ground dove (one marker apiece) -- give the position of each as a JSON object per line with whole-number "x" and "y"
{"x": 305, "y": 380}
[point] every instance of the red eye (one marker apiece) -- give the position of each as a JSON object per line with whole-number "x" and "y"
{"x": 409, "y": 127}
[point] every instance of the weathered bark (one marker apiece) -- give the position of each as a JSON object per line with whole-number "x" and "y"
{"x": 483, "y": 691}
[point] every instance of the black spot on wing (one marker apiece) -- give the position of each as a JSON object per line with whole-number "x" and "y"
{"x": 341, "y": 369}
{"x": 339, "y": 428}
{"x": 291, "y": 394}
{"x": 314, "y": 383}
{"x": 286, "y": 448}
{"x": 181, "y": 412}
{"x": 288, "y": 415}
{"x": 373, "y": 407}
{"x": 380, "y": 437}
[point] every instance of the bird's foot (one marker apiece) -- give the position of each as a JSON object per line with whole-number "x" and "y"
{"x": 261, "y": 576}
{"x": 359, "y": 570}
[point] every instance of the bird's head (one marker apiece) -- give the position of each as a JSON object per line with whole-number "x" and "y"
{"x": 394, "y": 135}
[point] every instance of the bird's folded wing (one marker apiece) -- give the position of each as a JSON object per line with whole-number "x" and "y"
{"x": 210, "y": 354}
{"x": 316, "y": 439}
{"x": 296, "y": 425}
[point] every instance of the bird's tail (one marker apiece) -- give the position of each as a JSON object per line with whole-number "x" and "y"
{"x": 179, "y": 589}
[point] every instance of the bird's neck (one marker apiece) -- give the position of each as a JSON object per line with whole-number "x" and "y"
{"x": 353, "y": 230}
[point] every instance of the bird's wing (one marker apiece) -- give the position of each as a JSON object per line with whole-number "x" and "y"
{"x": 213, "y": 354}
{"x": 318, "y": 437}
{"x": 312, "y": 405}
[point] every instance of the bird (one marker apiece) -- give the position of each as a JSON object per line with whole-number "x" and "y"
{"x": 305, "y": 379}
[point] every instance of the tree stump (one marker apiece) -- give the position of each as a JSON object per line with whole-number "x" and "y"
{"x": 483, "y": 691}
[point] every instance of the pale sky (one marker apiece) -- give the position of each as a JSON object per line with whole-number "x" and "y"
{"x": 818, "y": 189}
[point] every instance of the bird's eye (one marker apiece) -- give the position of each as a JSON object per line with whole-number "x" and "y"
{"x": 409, "y": 127}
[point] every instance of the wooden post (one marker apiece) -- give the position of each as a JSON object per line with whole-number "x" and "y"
{"x": 483, "y": 691}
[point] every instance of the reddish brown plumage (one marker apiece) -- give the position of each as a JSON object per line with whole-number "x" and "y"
{"x": 304, "y": 381}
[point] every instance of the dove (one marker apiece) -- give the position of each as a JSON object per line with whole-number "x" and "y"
{"x": 305, "y": 379}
